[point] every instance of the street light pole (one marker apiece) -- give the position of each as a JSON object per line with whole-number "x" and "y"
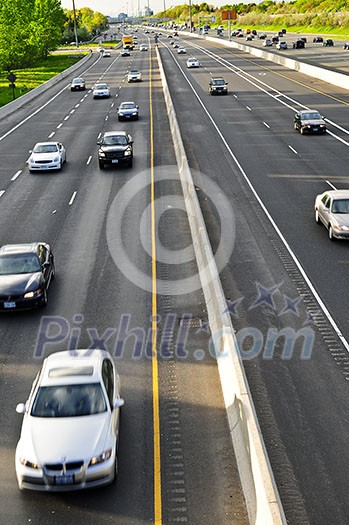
{"x": 164, "y": 12}
{"x": 190, "y": 18}
{"x": 75, "y": 30}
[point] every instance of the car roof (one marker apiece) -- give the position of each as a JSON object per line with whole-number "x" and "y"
{"x": 337, "y": 193}
{"x": 113, "y": 133}
{"x": 305, "y": 111}
{"x": 74, "y": 367}
{"x": 128, "y": 102}
{"x": 20, "y": 248}
{"x": 46, "y": 143}
{"x": 78, "y": 79}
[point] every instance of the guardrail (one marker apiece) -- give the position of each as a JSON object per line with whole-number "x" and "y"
{"x": 21, "y": 101}
{"x": 261, "y": 495}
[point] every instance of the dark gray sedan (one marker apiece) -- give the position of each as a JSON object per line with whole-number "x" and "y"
{"x": 309, "y": 121}
{"x": 332, "y": 210}
{"x": 128, "y": 111}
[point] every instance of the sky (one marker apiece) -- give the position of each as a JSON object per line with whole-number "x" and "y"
{"x": 114, "y": 7}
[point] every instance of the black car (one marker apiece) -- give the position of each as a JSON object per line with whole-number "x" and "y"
{"x": 298, "y": 44}
{"x": 128, "y": 111}
{"x": 309, "y": 121}
{"x": 26, "y": 271}
{"x": 346, "y": 45}
{"x": 328, "y": 42}
{"x": 218, "y": 86}
{"x": 318, "y": 39}
{"x": 115, "y": 148}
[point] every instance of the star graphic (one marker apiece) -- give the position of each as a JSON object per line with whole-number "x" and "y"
{"x": 265, "y": 296}
{"x": 291, "y": 305}
{"x": 310, "y": 318}
{"x": 205, "y": 327}
{"x": 232, "y": 307}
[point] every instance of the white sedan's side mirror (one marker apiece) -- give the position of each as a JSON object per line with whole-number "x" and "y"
{"x": 118, "y": 403}
{"x": 20, "y": 408}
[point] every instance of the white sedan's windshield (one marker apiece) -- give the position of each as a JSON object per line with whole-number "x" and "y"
{"x": 46, "y": 148}
{"x": 69, "y": 401}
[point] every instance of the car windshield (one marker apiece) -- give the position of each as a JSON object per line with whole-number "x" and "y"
{"x": 311, "y": 116}
{"x": 45, "y": 148}
{"x": 218, "y": 81}
{"x": 101, "y": 86}
{"x": 115, "y": 140}
{"x": 130, "y": 105}
{"x": 15, "y": 264}
{"x": 78, "y": 81}
{"x": 340, "y": 206}
{"x": 69, "y": 401}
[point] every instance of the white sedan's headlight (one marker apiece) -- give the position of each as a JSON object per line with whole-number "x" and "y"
{"x": 342, "y": 228}
{"x": 56, "y": 159}
{"x": 29, "y": 464}
{"x": 101, "y": 458}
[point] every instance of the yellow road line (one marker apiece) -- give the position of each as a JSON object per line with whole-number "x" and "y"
{"x": 155, "y": 371}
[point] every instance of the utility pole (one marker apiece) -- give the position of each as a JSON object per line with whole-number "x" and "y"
{"x": 190, "y": 18}
{"x": 75, "y": 29}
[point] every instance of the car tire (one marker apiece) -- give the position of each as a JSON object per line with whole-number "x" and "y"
{"x": 101, "y": 165}
{"x": 302, "y": 131}
{"x": 295, "y": 127}
{"x": 60, "y": 166}
{"x": 330, "y": 233}
{"x": 45, "y": 301}
{"x": 317, "y": 218}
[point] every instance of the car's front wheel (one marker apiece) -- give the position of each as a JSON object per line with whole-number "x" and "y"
{"x": 295, "y": 127}
{"x": 101, "y": 165}
{"x": 45, "y": 299}
{"x": 330, "y": 233}
{"x": 317, "y": 218}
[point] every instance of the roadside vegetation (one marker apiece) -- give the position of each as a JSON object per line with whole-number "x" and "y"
{"x": 310, "y": 16}
{"x": 30, "y": 31}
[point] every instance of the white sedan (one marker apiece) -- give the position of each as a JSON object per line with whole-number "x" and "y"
{"x": 181, "y": 51}
{"x": 47, "y": 156}
{"x": 193, "y": 62}
{"x": 143, "y": 47}
{"x": 134, "y": 76}
{"x": 70, "y": 430}
{"x": 101, "y": 90}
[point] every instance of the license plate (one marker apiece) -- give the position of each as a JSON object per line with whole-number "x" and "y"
{"x": 315, "y": 129}
{"x": 64, "y": 480}
{"x": 114, "y": 161}
{"x": 9, "y": 304}
{"x": 128, "y": 116}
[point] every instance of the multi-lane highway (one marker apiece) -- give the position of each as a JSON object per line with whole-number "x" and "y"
{"x": 284, "y": 281}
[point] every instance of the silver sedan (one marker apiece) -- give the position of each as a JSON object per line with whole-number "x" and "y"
{"x": 332, "y": 210}
{"x": 70, "y": 430}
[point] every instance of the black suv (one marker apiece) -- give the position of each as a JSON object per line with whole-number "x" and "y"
{"x": 298, "y": 44}
{"x": 26, "y": 271}
{"x": 328, "y": 42}
{"x": 115, "y": 148}
{"x": 218, "y": 86}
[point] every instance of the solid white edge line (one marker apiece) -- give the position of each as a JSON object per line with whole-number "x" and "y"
{"x": 72, "y": 198}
